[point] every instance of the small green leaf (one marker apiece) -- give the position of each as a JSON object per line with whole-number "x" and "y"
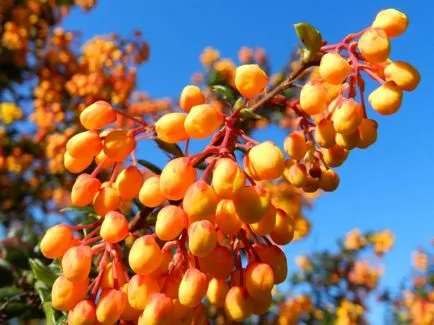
{"x": 238, "y": 104}
{"x": 49, "y": 313}
{"x": 171, "y": 148}
{"x": 311, "y": 38}
{"x": 248, "y": 114}
{"x": 79, "y": 209}
{"x": 43, "y": 291}
{"x": 224, "y": 92}
{"x": 7, "y": 292}
{"x": 150, "y": 166}
{"x": 42, "y": 272}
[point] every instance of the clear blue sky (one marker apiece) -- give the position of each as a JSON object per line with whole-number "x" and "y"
{"x": 387, "y": 186}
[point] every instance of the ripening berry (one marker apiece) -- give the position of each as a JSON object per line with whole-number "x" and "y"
{"x": 176, "y": 178}
{"x": 386, "y": 99}
{"x": 261, "y": 305}
{"x": 374, "y": 45}
{"x": 283, "y": 231}
{"x": 313, "y": 97}
{"x": 200, "y": 202}
{"x": 145, "y": 255}
{"x": 250, "y": 80}
{"x": 164, "y": 265}
{"x": 84, "y": 313}
{"x": 237, "y": 304}
{"x": 191, "y": 96}
{"x": 325, "y": 133}
{"x": 140, "y": 290}
{"x": 252, "y": 203}
{"x": 56, "y": 241}
{"x": 108, "y": 277}
{"x": 329, "y": 180}
{"x": 129, "y": 182}
{"x": 84, "y": 144}
{"x": 295, "y": 145}
{"x": 105, "y": 161}
{"x": 226, "y": 217}
{"x": 76, "y": 164}
{"x": 114, "y": 227}
{"x": 266, "y": 225}
{"x": 295, "y": 173}
{"x": 84, "y": 190}
{"x": 311, "y": 185}
{"x": 171, "y": 220}
{"x": 65, "y": 294}
{"x": 348, "y": 141}
{"x": 107, "y": 199}
{"x": 170, "y": 127}
{"x": 129, "y": 313}
{"x": 158, "y": 311}
{"x": 202, "y": 238}
{"x": 76, "y": 263}
{"x": 202, "y": 121}
{"x": 347, "y": 115}
{"x": 218, "y": 263}
{"x": 150, "y": 193}
{"x": 259, "y": 279}
{"x": 403, "y": 74}
{"x": 227, "y": 178}
{"x": 217, "y": 291}
{"x": 335, "y": 156}
{"x": 264, "y": 161}
{"x": 199, "y": 316}
{"x": 171, "y": 284}
{"x": 367, "y": 133}
{"x": 334, "y": 68}
{"x": 118, "y": 144}
{"x": 110, "y": 306}
{"x": 193, "y": 287}
{"x": 181, "y": 314}
{"x": 275, "y": 257}
{"x": 392, "y": 21}
{"x": 97, "y": 115}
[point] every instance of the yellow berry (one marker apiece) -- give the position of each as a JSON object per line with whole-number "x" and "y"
{"x": 374, "y": 45}
{"x": 250, "y": 80}
{"x": 386, "y": 99}
{"x": 334, "y": 68}
{"x": 403, "y": 74}
{"x": 392, "y": 21}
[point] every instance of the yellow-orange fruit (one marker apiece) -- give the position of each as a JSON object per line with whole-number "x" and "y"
{"x": 264, "y": 161}
{"x": 347, "y": 116}
{"x": 110, "y": 306}
{"x": 129, "y": 313}
{"x": 250, "y": 80}
{"x": 106, "y": 162}
{"x": 259, "y": 279}
{"x": 295, "y": 145}
{"x": 84, "y": 144}
{"x": 176, "y": 178}
{"x": 108, "y": 277}
{"x": 114, "y": 227}
{"x": 163, "y": 268}
{"x": 128, "y": 182}
{"x": 275, "y": 257}
{"x": 106, "y": 200}
{"x": 84, "y": 190}
{"x": 392, "y": 21}
{"x": 261, "y": 305}
{"x": 325, "y": 133}
{"x": 226, "y": 217}
{"x": 193, "y": 287}
{"x": 200, "y": 202}
{"x": 329, "y": 180}
{"x": 202, "y": 121}
{"x": 191, "y": 96}
{"x": 283, "y": 231}
{"x": 171, "y": 284}
{"x": 171, "y": 220}
{"x": 311, "y": 185}
{"x": 158, "y": 311}
{"x": 118, "y": 144}
{"x": 227, "y": 178}
{"x": 335, "y": 156}
{"x": 252, "y": 203}
{"x": 386, "y": 99}
{"x": 348, "y": 141}
{"x": 374, "y": 45}
{"x": 199, "y": 316}
{"x": 202, "y": 238}
{"x": 237, "y": 304}
{"x": 313, "y": 97}
{"x": 76, "y": 262}
{"x": 295, "y": 173}
{"x": 218, "y": 263}
{"x": 170, "y": 127}
{"x": 84, "y": 313}
{"x": 97, "y": 115}
{"x": 65, "y": 294}
{"x": 266, "y": 225}
{"x": 334, "y": 68}
{"x": 403, "y": 74}
{"x": 302, "y": 228}
{"x": 150, "y": 193}
{"x": 145, "y": 255}
{"x": 181, "y": 314}
{"x": 332, "y": 92}
{"x": 56, "y": 241}
{"x": 140, "y": 290}
{"x": 76, "y": 164}
{"x": 217, "y": 291}
{"x": 367, "y": 133}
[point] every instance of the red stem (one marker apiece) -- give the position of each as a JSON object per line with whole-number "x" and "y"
{"x": 128, "y": 116}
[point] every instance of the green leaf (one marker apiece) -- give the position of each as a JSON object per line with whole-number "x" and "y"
{"x": 248, "y": 114}
{"x": 171, "y": 148}
{"x": 79, "y": 209}
{"x": 49, "y": 313}
{"x": 238, "y": 104}
{"x": 42, "y": 272}
{"x": 224, "y": 92}
{"x": 8, "y": 292}
{"x": 311, "y": 38}
{"x": 150, "y": 166}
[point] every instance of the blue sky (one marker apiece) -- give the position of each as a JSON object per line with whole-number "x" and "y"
{"x": 386, "y": 186}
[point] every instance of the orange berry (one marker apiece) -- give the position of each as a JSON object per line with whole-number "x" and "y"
{"x": 261, "y": 305}
{"x": 76, "y": 263}
{"x": 84, "y": 144}
{"x": 110, "y": 306}
{"x": 163, "y": 268}
{"x": 65, "y": 294}
{"x": 114, "y": 227}
{"x": 264, "y": 161}
{"x": 181, "y": 314}
{"x": 335, "y": 156}
{"x": 386, "y": 99}
{"x": 275, "y": 257}
{"x": 218, "y": 263}
{"x": 128, "y": 182}
{"x": 176, "y": 178}
{"x": 193, "y": 287}
{"x": 191, "y": 96}
{"x": 295, "y": 173}
{"x": 329, "y": 180}
{"x": 311, "y": 185}
{"x": 171, "y": 220}
{"x": 170, "y": 127}
{"x": 129, "y": 313}
{"x": 118, "y": 144}
{"x": 259, "y": 279}
{"x": 266, "y": 225}
{"x": 325, "y": 133}
{"x": 107, "y": 199}
{"x": 334, "y": 68}
{"x": 202, "y": 238}
{"x": 200, "y": 202}
{"x": 226, "y": 217}
{"x": 217, "y": 291}
{"x": 150, "y": 193}
{"x": 252, "y": 203}
{"x": 108, "y": 278}
{"x": 97, "y": 115}
{"x": 237, "y": 304}
{"x": 392, "y": 21}
{"x": 171, "y": 284}
{"x": 84, "y": 313}
{"x": 140, "y": 290}
{"x": 347, "y": 115}
{"x": 313, "y": 97}
{"x": 403, "y": 74}
{"x": 202, "y": 121}
{"x": 158, "y": 311}
{"x": 374, "y": 45}
{"x": 145, "y": 255}
{"x": 250, "y": 80}
{"x": 283, "y": 231}
{"x": 199, "y": 316}
{"x": 348, "y": 141}
{"x": 295, "y": 145}
{"x": 56, "y": 241}
{"x": 105, "y": 161}
{"x": 76, "y": 165}
{"x": 367, "y": 133}
{"x": 227, "y": 178}
{"x": 84, "y": 190}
